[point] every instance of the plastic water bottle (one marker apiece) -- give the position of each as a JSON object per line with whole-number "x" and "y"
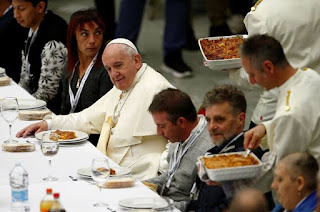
{"x": 19, "y": 189}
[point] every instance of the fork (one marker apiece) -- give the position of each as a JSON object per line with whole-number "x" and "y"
{"x": 247, "y": 152}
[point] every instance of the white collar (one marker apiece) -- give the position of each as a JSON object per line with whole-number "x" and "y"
{"x": 292, "y": 80}
{"x": 137, "y": 77}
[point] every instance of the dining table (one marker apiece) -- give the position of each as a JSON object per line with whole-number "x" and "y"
{"x": 76, "y": 192}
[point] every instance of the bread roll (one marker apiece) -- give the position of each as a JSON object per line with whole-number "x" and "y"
{"x": 18, "y": 147}
{"x": 5, "y": 81}
{"x": 119, "y": 182}
{"x": 30, "y": 115}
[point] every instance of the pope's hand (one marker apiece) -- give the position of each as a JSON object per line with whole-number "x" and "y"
{"x": 33, "y": 129}
{"x": 252, "y": 138}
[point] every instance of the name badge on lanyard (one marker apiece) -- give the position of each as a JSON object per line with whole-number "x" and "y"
{"x": 31, "y": 37}
{"x": 75, "y": 99}
{"x": 176, "y": 158}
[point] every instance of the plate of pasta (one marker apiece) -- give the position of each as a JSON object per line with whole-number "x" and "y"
{"x": 66, "y": 136}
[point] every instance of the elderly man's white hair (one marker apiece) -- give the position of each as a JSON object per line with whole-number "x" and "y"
{"x": 124, "y": 41}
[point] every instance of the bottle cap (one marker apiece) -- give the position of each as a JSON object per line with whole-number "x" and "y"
{"x": 49, "y": 190}
{"x": 56, "y": 195}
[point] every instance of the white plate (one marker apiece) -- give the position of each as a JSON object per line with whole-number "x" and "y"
{"x": 120, "y": 171}
{"x": 81, "y": 136}
{"x": 26, "y": 104}
{"x": 145, "y": 203}
{"x": 220, "y": 65}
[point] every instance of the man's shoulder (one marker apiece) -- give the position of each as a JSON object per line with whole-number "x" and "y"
{"x": 205, "y": 140}
{"x": 310, "y": 73}
{"x": 53, "y": 27}
{"x": 151, "y": 73}
{"x": 154, "y": 82}
{"x": 54, "y": 18}
{"x": 308, "y": 86}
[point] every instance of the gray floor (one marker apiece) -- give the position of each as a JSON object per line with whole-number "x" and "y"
{"x": 150, "y": 46}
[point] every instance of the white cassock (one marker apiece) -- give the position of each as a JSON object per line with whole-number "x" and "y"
{"x": 134, "y": 142}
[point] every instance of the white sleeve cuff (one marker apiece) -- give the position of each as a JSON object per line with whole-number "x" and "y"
{"x": 49, "y": 123}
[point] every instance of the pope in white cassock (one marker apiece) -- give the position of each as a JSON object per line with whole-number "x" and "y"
{"x": 128, "y": 134}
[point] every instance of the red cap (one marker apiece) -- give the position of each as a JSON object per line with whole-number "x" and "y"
{"x": 56, "y": 195}
{"x": 49, "y": 190}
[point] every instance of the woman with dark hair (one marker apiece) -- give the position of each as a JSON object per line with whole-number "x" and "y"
{"x": 85, "y": 79}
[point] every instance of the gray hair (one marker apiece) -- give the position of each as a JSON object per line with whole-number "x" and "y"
{"x": 226, "y": 93}
{"x": 260, "y": 48}
{"x": 305, "y": 165}
{"x": 128, "y": 50}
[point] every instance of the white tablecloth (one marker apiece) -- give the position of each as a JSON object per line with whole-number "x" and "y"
{"x": 75, "y": 195}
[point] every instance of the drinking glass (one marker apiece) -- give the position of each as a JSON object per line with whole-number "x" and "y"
{"x": 100, "y": 172}
{"x": 10, "y": 112}
{"x": 49, "y": 147}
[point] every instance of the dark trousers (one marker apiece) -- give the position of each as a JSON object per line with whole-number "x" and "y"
{"x": 176, "y": 25}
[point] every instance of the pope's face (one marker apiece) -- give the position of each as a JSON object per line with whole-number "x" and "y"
{"x": 256, "y": 76}
{"x": 26, "y": 14}
{"x": 222, "y": 124}
{"x": 285, "y": 188}
{"x": 121, "y": 67}
{"x": 166, "y": 128}
{"x": 89, "y": 39}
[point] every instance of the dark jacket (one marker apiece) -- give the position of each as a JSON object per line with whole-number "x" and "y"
{"x": 12, "y": 37}
{"x": 52, "y": 27}
{"x": 97, "y": 84}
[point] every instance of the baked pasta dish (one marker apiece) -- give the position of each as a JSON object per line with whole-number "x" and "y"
{"x": 227, "y": 161}
{"x": 65, "y": 135}
{"x": 222, "y": 48}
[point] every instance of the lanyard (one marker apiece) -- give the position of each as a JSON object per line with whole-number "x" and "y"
{"x": 175, "y": 158}
{"x": 75, "y": 99}
{"x": 226, "y": 148}
{"x": 28, "y": 45}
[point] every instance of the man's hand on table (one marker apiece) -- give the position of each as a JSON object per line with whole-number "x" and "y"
{"x": 252, "y": 138}
{"x": 33, "y": 129}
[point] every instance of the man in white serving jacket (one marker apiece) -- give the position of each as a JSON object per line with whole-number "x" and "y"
{"x": 295, "y": 24}
{"x": 128, "y": 133}
{"x": 296, "y": 124}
